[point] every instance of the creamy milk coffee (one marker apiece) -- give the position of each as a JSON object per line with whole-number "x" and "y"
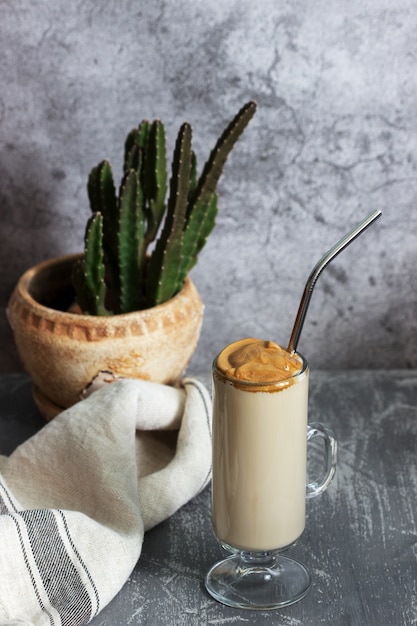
{"x": 260, "y": 405}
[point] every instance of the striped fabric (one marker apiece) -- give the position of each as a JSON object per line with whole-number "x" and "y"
{"x": 76, "y": 499}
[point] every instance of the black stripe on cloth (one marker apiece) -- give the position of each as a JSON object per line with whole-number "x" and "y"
{"x": 4, "y": 507}
{"x": 207, "y": 412}
{"x": 28, "y": 567}
{"x": 61, "y": 580}
{"x": 83, "y": 565}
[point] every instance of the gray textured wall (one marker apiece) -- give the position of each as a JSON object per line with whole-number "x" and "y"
{"x": 335, "y": 136}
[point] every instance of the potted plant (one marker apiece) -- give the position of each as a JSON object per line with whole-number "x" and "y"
{"x": 126, "y": 305}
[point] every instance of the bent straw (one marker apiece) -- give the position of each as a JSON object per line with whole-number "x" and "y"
{"x": 319, "y": 267}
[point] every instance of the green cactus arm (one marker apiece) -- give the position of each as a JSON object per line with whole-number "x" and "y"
{"x": 199, "y": 225}
{"x": 135, "y": 144}
{"x": 88, "y": 273}
{"x": 202, "y": 209}
{"x": 214, "y": 166}
{"x": 131, "y": 243}
{"x": 131, "y": 150}
{"x": 101, "y": 191}
{"x": 163, "y": 274}
{"x": 193, "y": 175}
{"x": 155, "y": 178}
{"x": 102, "y": 195}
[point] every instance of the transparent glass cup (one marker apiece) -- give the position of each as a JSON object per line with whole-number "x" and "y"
{"x": 259, "y": 491}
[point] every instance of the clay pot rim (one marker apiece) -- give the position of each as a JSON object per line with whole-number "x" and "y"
{"x": 23, "y": 285}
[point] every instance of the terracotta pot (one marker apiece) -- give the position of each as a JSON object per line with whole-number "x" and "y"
{"x": 63, "y": 352}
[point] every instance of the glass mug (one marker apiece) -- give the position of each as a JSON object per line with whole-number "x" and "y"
{"x": 259, "y": 491}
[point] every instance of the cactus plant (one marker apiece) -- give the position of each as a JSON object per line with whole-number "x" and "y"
{"x": 117, "y": 273}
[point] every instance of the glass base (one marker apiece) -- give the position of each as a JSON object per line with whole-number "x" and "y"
{"x": 258, "y": 581}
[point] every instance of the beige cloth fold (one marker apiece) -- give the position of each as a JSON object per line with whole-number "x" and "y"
{"x": 76, "y": 499}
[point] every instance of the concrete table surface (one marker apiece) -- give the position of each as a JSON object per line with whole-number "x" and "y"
{"x": 360, "y": 542}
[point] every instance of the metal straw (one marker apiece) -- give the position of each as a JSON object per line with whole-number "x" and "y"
{"x": 319, "y": 267}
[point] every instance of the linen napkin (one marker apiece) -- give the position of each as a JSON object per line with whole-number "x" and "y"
{"x": 76, "y": 498}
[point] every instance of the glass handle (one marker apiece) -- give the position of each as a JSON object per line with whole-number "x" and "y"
{"x": 318, "y": 486}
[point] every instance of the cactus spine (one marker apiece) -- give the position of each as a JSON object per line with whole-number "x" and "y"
{"x": 116, "y": 273}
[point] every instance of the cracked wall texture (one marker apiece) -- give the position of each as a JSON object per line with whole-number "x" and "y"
{"x": 334, "y": 137}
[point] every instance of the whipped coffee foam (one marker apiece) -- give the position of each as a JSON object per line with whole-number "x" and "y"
{"x": 255, "y": 360}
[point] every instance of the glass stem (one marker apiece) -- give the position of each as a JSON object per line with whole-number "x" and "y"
{"x": 257, "y": 559}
